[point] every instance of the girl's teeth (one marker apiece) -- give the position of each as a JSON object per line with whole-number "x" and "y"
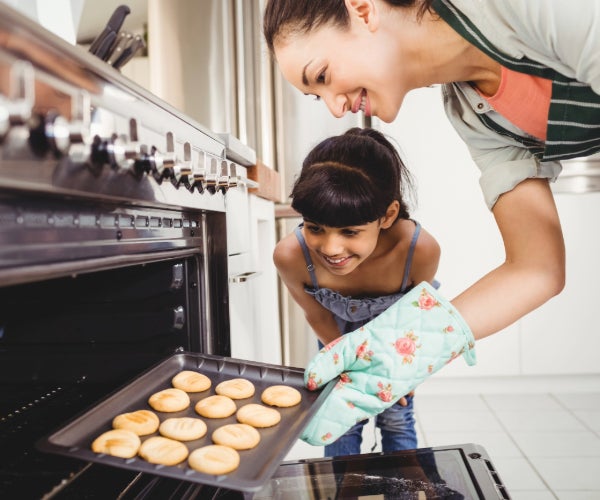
{"x": 334, "y": 261}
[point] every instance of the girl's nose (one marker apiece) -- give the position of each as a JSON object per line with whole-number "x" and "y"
{"x": 331, "y": 246}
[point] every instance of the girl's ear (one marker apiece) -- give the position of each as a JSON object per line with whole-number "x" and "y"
{"x": 391, "y": 215}
{"x": 364, "y": 11}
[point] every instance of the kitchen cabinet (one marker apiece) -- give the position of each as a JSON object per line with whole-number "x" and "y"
{"x": 253, "y": 296}
{"x": 557, "y": 338}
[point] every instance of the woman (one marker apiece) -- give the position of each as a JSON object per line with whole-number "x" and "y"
{"x": 521, "y": 85}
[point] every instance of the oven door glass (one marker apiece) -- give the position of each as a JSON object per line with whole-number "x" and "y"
{"x": 455, "y": 473}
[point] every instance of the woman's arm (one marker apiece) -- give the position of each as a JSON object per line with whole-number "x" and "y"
{"x": 534, "y": 269}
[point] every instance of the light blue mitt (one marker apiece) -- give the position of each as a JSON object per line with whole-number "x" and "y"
{"x": 384, "y": 360}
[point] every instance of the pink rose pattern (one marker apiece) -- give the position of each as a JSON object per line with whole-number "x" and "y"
{"x": 363, "y": 353}
{"x": 405, "y": 346}
{"x": 426, "y": 301}
{"x": 313, "y": 384}
{"x": 385, "y": 394}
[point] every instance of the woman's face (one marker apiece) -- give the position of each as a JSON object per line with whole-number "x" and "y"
{"x": 352, "y": 70}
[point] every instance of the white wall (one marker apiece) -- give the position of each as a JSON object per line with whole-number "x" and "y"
{"x": 558, "y": 338}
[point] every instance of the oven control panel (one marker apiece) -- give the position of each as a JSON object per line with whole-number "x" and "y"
{"x": 70, "y": 125}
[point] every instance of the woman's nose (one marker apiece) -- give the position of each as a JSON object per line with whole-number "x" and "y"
{"x": 338, "y": 105}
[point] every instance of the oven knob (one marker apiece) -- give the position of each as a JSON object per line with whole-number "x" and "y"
{"x": 117, "y": 153}
{"x": 233, "y": 177}
{"x": 16, "y": 108}
{"x": 109, "y": 151}
{"x": 197, "y": 178}
{"x": 163, "y": 169}
{"x": 4, "y": 118}
{"x": 212, "y": 176}
{"x": 22, "y": 93}
{"x": 80, "y": 150}
{"x": 49, "y": 133}
{"x": 182, "y": 170}
{"x": 223, "y": 179}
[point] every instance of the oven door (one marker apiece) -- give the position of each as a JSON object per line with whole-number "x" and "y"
{"x": 451, "y": 472}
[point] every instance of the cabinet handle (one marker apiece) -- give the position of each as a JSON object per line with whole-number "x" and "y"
{"x": 243, "y": 277}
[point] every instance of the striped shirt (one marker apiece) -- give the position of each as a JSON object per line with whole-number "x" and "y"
{"x": 573, "y": 128}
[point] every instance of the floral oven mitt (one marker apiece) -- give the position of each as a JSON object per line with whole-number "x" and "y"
{"x": 384, "y": 360}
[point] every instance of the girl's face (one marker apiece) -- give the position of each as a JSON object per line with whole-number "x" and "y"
{"x": 342, "y": 250}
{"x": 352, "y": 70}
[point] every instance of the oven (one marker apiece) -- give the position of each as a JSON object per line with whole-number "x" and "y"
{"x": 113, "y": 250}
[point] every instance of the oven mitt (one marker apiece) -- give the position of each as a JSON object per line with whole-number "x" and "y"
{"x": 384, "y": 360}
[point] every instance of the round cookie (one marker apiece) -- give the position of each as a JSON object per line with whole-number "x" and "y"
{"x": 258, "y": 415}
{"x": 214, "y": 459}
{"x": 236, "y": 388}
{"x": 190, "y": 381}
{"x": 183, "y": 429}
{"x": 163, "y": 451}
{"x": 215, "y": 407}
{"x": 281, "y": 395}
{"x": 169, "y": 400}
{"x": 142, "y": 422}
{"x": 118, "y": 443}
{"x": 236, "y": 436}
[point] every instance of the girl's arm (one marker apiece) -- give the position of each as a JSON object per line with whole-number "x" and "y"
{"x": 534, "y": 269}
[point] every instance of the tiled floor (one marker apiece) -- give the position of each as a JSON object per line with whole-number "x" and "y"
{"x": 543, "y": 439}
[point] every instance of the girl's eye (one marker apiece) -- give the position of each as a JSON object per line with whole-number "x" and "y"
{"x": 350, "y": 232}
{"x": 313, "y": 229}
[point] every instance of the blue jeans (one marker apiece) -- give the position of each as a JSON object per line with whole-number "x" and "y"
{"x": 397, "y": 426}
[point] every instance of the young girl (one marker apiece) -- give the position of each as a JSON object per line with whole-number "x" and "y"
{"x": 356, "y": 252}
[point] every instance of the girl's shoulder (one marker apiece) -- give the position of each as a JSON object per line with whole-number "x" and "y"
{"x": 288, "y": 253}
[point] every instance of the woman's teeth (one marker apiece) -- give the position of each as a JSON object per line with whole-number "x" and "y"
{"x": 363, "y": 102}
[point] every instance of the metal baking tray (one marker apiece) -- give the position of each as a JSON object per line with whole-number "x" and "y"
{"x": 256, "y": 465}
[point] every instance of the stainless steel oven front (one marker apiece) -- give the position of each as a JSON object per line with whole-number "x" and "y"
{"x": 113, "y": 251}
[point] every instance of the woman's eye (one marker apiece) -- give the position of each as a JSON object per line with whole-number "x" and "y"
{"x": 321, "y": 77}
{"x": 317, "y": 97}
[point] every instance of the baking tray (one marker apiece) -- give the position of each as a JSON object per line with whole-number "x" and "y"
{"x": 256, "y": 465}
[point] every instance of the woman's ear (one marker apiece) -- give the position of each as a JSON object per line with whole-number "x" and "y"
{"x": 391, "y": 214}
{"x": 364, "y": 11}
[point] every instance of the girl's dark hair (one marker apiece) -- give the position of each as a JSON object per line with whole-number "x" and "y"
{"x": 351, "y": 179}
{"x": 284, "y": 17}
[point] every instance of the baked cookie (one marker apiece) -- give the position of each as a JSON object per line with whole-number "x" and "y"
{"x": 190, "y": 381}
{"x": 183, "y": 428}
{"x": 118, "y": 443}
{"x": 258, "y": 415}
{"x": 163, "y": 451}
{"x": 214, "y": 459}
{"x": 169, "y": 400}
{"x": 142, "y": 422}
{"x": 236, "y": 436}
{"x": 236, "y": 388}
{"x": 281, "y": 395}
{"x": 215, "y": 407}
